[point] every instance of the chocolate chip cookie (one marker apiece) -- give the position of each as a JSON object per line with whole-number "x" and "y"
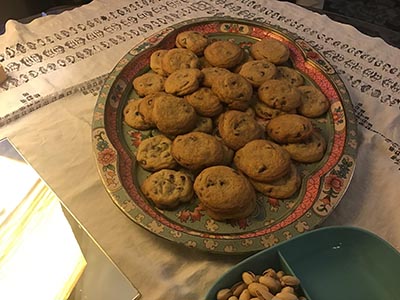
{"x": 211, "y": 73}
{"x": 156, "y": 61}
{"x": 133, "y": 117}
{"x": 223, "y": 54}
{"x": 148, "y": 83}
{"x": 154, "y": 154}
{"x": 257, "y": 71}
{"x": 205, "y": 102}
{"x": 265, "y": 112}
{"x": 232, "y": 87}
{"x": 225, "y": 193}
{"x": 279, "y": 94}
{"x": 271, "y": 50}
{"x": 146, "y": 106}
{"x": 192, "y": 40}
{"x": 310, "y": 151}
{"x": 179, "y": 58}
{"x": 184, "y": 81}
{"x": 262, "y": 160}
{"x": 291, "y": 75}
{"x": 281, "y": 188}
{"x": 237, "y": 128}
{"x": 289, "y": 128}
{"x": 168, "y": 188}
{"x": 197, "y": 150}
{"x": 313, "y": 102}
{"x": 173, "y": 115}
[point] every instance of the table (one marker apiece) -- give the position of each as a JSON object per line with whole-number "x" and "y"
{"x": 57, "y": 64}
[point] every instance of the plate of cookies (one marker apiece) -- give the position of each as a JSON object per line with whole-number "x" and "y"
{"x": 225, "y": 135}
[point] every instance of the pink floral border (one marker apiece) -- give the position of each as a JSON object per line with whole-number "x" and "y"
{"x": 115, "y": 164}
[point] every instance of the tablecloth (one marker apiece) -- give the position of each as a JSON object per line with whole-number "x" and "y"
{"x": 57, "y": 64}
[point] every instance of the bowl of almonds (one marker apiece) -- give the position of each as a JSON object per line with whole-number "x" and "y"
{"x": 337, "y": 262}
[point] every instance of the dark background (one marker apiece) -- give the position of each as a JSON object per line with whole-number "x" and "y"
{"x": 373, "y": 17}
{"x": 377, "y": 18}
{"x": 26, "y": 10}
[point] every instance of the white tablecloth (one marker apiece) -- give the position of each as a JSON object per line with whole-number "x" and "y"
{"x": 57, "y": 63}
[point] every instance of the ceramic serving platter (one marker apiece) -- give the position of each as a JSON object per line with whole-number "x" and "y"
{"x": 332, "y": 263}
{"x": 274, "y": 221}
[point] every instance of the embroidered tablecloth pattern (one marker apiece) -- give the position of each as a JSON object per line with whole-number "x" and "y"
{"x": 57, "y": 64}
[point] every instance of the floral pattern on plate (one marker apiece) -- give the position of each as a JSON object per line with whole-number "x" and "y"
{"x": 274, "y": 221}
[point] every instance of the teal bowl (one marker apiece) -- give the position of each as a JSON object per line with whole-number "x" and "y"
{"x": 332, "y": 263}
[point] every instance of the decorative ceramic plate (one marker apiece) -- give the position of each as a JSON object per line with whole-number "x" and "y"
{"x": 274, "y": 221}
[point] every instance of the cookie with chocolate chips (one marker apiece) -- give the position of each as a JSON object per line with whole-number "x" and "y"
{"x": 271, "y": 50}
{"x": 183, "y": 82}
{"x": 192, "y": 40}
{"x": 281, "y": 188}
{"x": 148, "y": 83}
{"x": 313, "y": 102}
{"x": 290, "y": 74}
{"x": 225, "y": 193}
{"x": 168, "y": 188}
{"x": 309, "y": 151}
{"x": 279, "y": 94}
{"x": 133, "y": 117}
{"x": 154, "y": 154}
{"x": 257, "y": 71}
{"x": 205, "y": 102}
{"x": 262, "y": 160}
{"x": 197, "y": 150}
{"x": 179, "y": 58}
{"x": 289, "y": 128}
{"x": 232, "y": 87}
{"x": 237, "y": 128}
{"x": 173, "y": 115}
{"x": 223, "y": 54}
